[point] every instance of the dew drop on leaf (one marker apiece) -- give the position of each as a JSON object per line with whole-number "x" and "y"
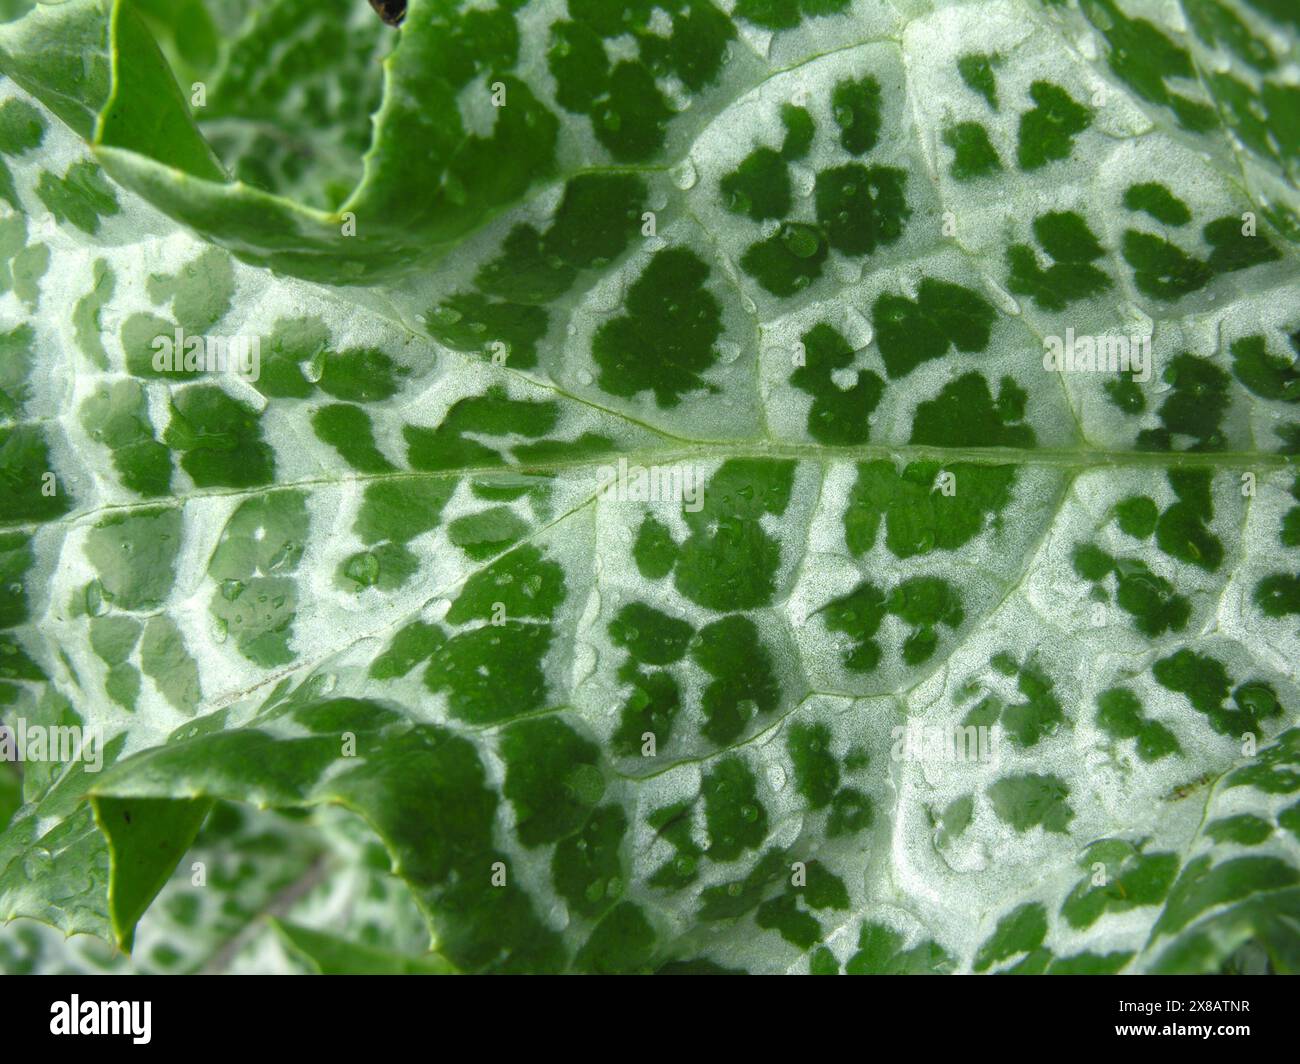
{"x": 684, "y": 175}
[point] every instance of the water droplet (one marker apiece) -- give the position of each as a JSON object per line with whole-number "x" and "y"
{"x": 1006, "y": 301}
{"x": 678, "y": 100}
{"x": 446, "y": 316}
{"x": 802, "y": 241}
{"x": 97, "y": 599}
{"x": 322, "y": 684}
{"x": 286, "y": 554}
{"x": 586, "y": 784}
{"x": 454, "y": 189}
{"x": 363, "y": 568}
{"x": 803, "y": 179}
{"x": 313, "y": 368}
{"x": 759, "y": 41}
{"x": 585, "y": 660}
{"x": 684, "y": 175}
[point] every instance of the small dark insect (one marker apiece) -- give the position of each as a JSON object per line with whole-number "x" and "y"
{"x": 391, "y": 11}
{"x": 1182, "y": 791}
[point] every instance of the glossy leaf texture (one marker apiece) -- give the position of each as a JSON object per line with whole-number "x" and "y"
{"x": 744, "y": 485}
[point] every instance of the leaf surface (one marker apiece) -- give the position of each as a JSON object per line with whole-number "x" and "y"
{"x": 654, "y": 534}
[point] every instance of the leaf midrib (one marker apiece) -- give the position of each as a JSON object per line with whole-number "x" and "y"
{"x": 1076, "y": 460}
